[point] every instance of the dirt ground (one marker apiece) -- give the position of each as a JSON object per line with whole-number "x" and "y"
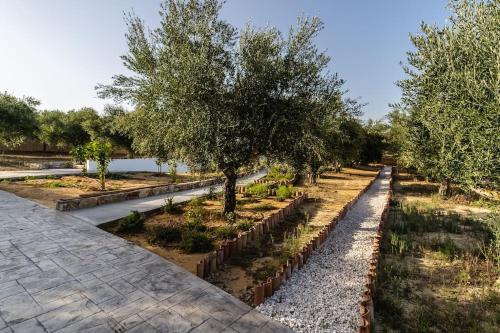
{"x": 47, "y": 191}
{"x": 439, "y": 269}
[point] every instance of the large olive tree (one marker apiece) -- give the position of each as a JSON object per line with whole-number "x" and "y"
{"x": 203, "y": 92}
{"x": 449, "y": 118}
{"x": 17, "y": 119}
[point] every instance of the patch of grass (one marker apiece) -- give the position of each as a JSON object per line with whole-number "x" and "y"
{"x": 196, "y": 241}
{"x": 134, "y": 222}
{"x": 263, "y": 207}
{"x": 245, "y": 224}
{"x": 55, "y": 184}
{"x": 246, "y": 201}
{"x": 445, "y": 246}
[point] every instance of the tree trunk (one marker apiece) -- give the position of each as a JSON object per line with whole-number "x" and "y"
{"x": 103, "y": 181}
{"x": 230, "y": 190}
{"x": 444, "y": 188}
{"x": 314, "y": 178}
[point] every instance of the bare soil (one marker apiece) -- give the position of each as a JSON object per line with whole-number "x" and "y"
{"x": 47, "y": 191}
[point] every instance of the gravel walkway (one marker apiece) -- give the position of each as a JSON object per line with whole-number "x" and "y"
{"x": 324, "y": 295}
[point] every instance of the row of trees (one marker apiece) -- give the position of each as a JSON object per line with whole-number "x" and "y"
{"x": 20, "y": 120}
{"x": 447, "y": 124}
{"x": 207, "y": 93}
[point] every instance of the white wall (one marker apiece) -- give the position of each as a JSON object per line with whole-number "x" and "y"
{"x": 135, "y": 164}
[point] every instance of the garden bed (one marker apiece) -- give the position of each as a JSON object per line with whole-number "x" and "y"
{"x": 49, "y": 190}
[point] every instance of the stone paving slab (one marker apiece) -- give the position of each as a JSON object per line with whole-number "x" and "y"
{"x": 114, "y": 211}
{"x": 61, "y": 274}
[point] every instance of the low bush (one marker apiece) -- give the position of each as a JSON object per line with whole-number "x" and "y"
{"x": 226, "y": 232}
{"x": 133, "y": 222}
{"x": 168, "y": 206}
{"x": 245, "y": 224}
{"x": 277, "y": 173}
{"x": 196, "y": 225}
{"x": 284, "y": 192}
{"x": 231, "y": 218}
{"x": 163, "y": 234}
{"x": 290, "y": 247}
{"x": 196, "y": 241}
{"x": 259, "y": 190}
{"x": 195, "y": 213}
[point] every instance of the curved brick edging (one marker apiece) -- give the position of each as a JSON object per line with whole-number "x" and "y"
{"x": 366, "y": 308}
{"x": 215, "y": 259}
{"x": 98, "y": 199}
{"x": 273, "y": 283}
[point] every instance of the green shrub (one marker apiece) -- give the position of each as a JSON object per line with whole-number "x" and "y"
{"x": 226, "y": 232}
{"x": 164, "y": 234}
{"x": 133, "y": 222}
{"x": 276, "y": 173}
{"x": 168, "y": 206}
{"x": 195, "y": 241}
{"x": 245, "y": 224}
{"x": 195, "y": 213}
{"x": 231, "y": 218}
{"x": 290, "y": 247}
{"x": 259, "y": 190}
{"x": 284, "y": 192}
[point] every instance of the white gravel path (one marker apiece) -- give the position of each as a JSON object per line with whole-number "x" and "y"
{"x": 324, "y": 296}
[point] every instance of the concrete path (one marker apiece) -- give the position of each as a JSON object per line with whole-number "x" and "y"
{"x": 324, "y": 296}
{"x": 60, "y": 274}
{"x": 38, "y": 173}
{"x": 106, "y": 213}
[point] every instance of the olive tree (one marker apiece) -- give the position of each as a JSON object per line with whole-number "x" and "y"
{"x": 17, "y": 119}
{"x": 450, "y": 106}
{"x": 203, "y": 92}
{"x": 100, "y": 151}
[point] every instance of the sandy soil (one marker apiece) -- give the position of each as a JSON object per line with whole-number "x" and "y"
{"x": 48, "y": 191}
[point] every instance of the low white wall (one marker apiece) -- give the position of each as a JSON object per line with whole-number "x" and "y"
{"x": 135, "y": 164}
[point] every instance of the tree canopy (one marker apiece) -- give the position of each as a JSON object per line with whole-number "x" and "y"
{"x": 448, "y": 121}
{"x": 17, "y": 119}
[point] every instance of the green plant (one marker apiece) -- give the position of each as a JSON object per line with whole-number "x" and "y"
{"x": 168, "y": 206}
{"x": 284, "y": 192}
{"x": 133, "y": 222}
{"x": 164, "y": 234}
{"x": 55, "y": 184}
{"x": 80, "y": 154}
{"x": 226, "y": 232}
{"x": 446, "y": 247}
{"x": 245, "y": 224}
{"x": 290, "y": 246}
{"x": 212, "y": 193}
{"x": 399, "y": 244}
{"x": 259, "y": 190}
{"x": 230, "y": 217}
{"x": 195, "y": 241}
{"x": 172, "y": 171}
{"x": 195, "y": 212}
{"x": 263, "y": 207}
{"x": 279, "y": 173}
{"x": 100, "y": 151}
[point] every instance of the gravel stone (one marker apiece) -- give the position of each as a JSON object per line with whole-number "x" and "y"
{"x": 324, "y": 296}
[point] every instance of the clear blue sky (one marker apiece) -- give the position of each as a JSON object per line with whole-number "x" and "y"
{"x": 58, "y": 50}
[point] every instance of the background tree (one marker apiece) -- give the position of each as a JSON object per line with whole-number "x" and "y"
{"x": 51, "y": 129}
{"x": 114, "y": 126}
{"x": 17, "y": 119}
{"x": 449, "y": 117}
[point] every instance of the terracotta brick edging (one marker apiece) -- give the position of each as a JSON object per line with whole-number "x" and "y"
{"x": 366, "y": 308}
{"x": 97, "y": 199}
{"x": 215, "y": 259}
{"x": 273, "y": 283}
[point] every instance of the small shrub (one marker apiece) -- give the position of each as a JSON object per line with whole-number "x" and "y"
{"x": 263, "y": 207}
{"x": 399, "y": 244}
{"x": 245, "y": 224}
{"x": 196, "y": 225}
{"x": 284, "y": 192}
{"x": 134, "y": 222}
{"x": 164, "y": 234}
{"x": 168, "y": 206}
{"x": 259, "y": 190}
{"x": 277, "y": 173}
{"x": 195, "y": 213}
{"x": 290, "y": 247}
{"x": 231, "y": 218}
{"x": 446, "y": 247}
{"x": 195, "y": 241}
{"x": 226, "y": 232}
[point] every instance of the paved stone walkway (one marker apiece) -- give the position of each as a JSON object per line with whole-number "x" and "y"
{"x": 111, "y": 212}
{"x": 38, "y": 173}
{"x": 61, "y": 274}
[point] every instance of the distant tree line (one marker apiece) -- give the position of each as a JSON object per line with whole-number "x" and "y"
{"x": 447, "y": 125}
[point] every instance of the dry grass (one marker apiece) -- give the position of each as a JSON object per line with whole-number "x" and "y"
{"x": 438, "y": 276}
